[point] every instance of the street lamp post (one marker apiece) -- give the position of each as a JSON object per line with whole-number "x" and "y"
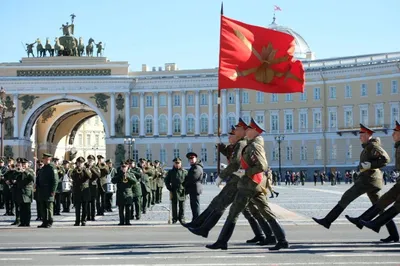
{"x": 279, "y": 139}
{"x": 129, "y": 141}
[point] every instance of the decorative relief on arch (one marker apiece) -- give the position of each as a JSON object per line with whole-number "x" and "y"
{"x": 10, "y": 105}
{"x": 120, "y": 154}
{"x": 9, "y": 128}
{"x": 8, "y": 151}
{"x": 47, "y": 114}
{"x": 27, "y": 102}
{"x": 120, "y": 102}
{"x": 101, "y": 101}
{"x": 119, "y": 125}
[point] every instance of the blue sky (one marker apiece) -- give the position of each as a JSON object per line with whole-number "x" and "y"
{"x": 186, "y": 32}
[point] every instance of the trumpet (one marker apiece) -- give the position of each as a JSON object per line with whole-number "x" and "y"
{"x": 78, "y": 170}
{"x": 102, "y": 165}
{"x": 125, "y": 179}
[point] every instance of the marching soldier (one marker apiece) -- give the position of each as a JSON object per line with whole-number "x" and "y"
{"x": 81, "y": 191}
{"x": 109, "y": 193}
{"x": 372, "y": 158}
{"x": 193, "y": 185}
{"x": 13, "y": 181}
{"x": 95, "y": 171}
{"x": 57, "y": 199}
{"x": 254, "y": 163}
{"x": 175, "y": 183}
{"x": 46, "y": 186}
{"x": 3, "y": 170}
{"x": 66, "y": 186}
{"x": 35, "y": 191}
{"x": 145, "y": 182}
{"x": 24, "y": 192}
{"x": 8, "y": 175}
{"x": 392, "y": 195}
{"x": 303, "y": 176}
{"x": 153, "y": 183}
{"x": 124, "y": 180}
{"x": 136, "y": 210}
{"x": 102, "y": 185}
{"x": 159, "y": 181}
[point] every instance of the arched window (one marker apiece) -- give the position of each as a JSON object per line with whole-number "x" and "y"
{"x": 149, "y": 124}
{"x": 162, "y": 124}
{"x": 190, "y": 124}
{"x": 177, "y": 124}
{"x": 203, "y": 124}
{"x": 135, "y": 125}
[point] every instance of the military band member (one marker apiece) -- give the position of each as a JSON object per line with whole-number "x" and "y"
{"x": 153, "y": 183}
{"x": 145, "y": 182}
{"x": 93, "y": 186}
{"x": 124, "y": 180}
{"x": 109, "y": 194}
{"x": 66, "y": 186}
{"x": 254, "y": 163}
{"x": 136, "y": 210}
{"x": 193, "y": 185}
{"x": 46, "y": 186}
{"x": 14, "y": 190}
{"x": 3, "y": 170}
{"x": 102, "y": 185}
{"x": 159, "y": 180}
{"x": 80, "y": 189}
{"x": 24, "y": 192}
{"x": 372, "y": 158}
{"x": 392, "y": 195}
{"x": 57, "y": 199}
{"x": 175, "y": 183}
{"x": 35, "y": 191}
{"x": 7, "y": 187}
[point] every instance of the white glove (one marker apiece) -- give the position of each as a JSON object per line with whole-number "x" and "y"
{"x": 366, "y": 165}
{"x": 218, "y": 181}
{"x": 223, "y": 166}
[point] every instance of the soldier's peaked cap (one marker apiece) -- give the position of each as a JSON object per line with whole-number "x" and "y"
{"x": 397, "y": 126}
{"x": 66, "y": 161}
{"x": 91, "y": 157}
{"x": 100, "y": 157}
{"x": 191, "y": 154}
{"x": 242, "y": 124}
{"x": 80, "y": 160}
{"x": 256, "y": 126}
{"x": 108, "y": 161}
{"x": 129, "y": 161}
{"x": 177, "y": 159}
{"x": 47, "y": 155}
{"x": 364, "y": 129}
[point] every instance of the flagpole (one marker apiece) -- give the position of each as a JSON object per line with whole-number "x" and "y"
{"x": 219, "y": 97}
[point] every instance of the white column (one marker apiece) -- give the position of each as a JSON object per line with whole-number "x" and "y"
{"x": 141, "y": 115}
{"x": 155, "y": 114}
{"x": 224, "y": 110}
{"x": 183, "y": 114}
{"x": 127, "y": 114}
{"x": 237, "y": 101}
{"x": 210, "y": 113}
{"x": 169, "y": 102}
{"x": 197, "y": 113}
{"x": 16, "y": 105}
{"x": 112, "y": 114}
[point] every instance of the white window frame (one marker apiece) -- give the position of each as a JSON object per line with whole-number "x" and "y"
{"x": 271, "y": 121}
{"x": 332, "y": 92}
{"x": 363, "y": 89}
{"x": 348, "y": 93}
{"x": 364, "y": 107}
{"x": 288, "y": 113}
{"x": 379, "y": 88}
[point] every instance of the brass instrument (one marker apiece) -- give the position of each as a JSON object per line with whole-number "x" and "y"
{"x": 78, "y": 170}
{"x": 125, "y": 179}
{"x": 102, "y": 165}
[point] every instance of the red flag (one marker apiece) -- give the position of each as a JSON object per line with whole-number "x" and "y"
{"x": 277, "y": 8}
{"x": 257, "y": 58}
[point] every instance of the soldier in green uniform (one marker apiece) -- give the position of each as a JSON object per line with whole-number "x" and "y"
{"x": 109, "y": 193}
{"x": 303, "y": 177}
{"x": 24, "y": 192}
{"x": 136, "y": 210}
{"x": 174, "y": 181}
{"x": 124, "y": 180}
{"x": 392, "y": 195}
{"x": 95, "y": 171}
{"x": 254, "y": 163}
{"x": 102, "y": 185}
{"x": 57, "y": 198}
{"x": 66, "y": 186}
{"x": 3, "y": 170}
{"x": 159, "y": 180}
{"x": 372, "y": 158}
{"x": 46, "y": 186}
{"x": 12, "y": 178}
{"x": 35, "y": 191}
{"x": 145, "y": 182}
{"x": 81, "y": 192}
{"x": 153, "y": 183}
{"x": 7, "y": 187}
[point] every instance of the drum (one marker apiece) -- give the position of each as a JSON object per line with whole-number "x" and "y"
{"x": 66, "y": 186}
{"x": 110, "y": 188}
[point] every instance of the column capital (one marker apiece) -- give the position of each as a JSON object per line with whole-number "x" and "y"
{"x": 155, "y": 93}
{"x": 141, "y": 93}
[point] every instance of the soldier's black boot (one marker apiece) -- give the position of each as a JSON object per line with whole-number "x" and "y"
{"x": 208, "y": 224}
{"x": 276, "y": 194}
{"x": 258, "y": 233}
{"x": 224, "y": 236}
{"x": 381, "y": 220}
{"x": 199, "y": 220}
{"x": 368, "y": 215}
{"x": 393, "y": 233}
{"x": 279, "y": 234}
{"x": 330, "y": 217}
{"x": 269, "y": 237}
{"x": 127, "y": 214}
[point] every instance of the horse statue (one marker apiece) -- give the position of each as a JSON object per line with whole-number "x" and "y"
{"x": 40, "y": 51}
{"x": 100, "y": 49}
{"x": 81, "y": 47}
{"x": 58, "y": 48}
{"x": 49, "y": 48}
{"x": 89, "y": 47}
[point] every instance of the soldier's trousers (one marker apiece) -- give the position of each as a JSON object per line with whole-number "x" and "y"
{"x": 392, "y": 195}
{"x": 8, "y": 202}
{"x": 66, "y": 201}
{"x": 195, "y": 205}
{"x": 359, "y": 188}
{"x": 81, "y": 216}
{"x": 1, "y": 199}
{"x": 57, "y": 204}
{"x": 136, "y": 208}
{"x": 153, "y": 197}
{"x": 159, "y": 194}
{"x": 25, "y": 213}
{"x": 17, "y": 212}
{"x": 175, "y": 205}
{"x": 145, "y": 201}
{"x": 124, "y": 214}
{"x": 47, "y": 212}
{"x": 108, "y": 201}
{"x": 258, "y": 223}
{"x": 91, "y": 209}
{"x": 100, "y": 201}
{"x": 39, "y": 210}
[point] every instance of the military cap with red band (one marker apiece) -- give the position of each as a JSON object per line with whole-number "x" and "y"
{"x": 397, "y": 127}
{"x": 257, "y": 127}
{"x": 242, "y": 124}
{"x": 364, "y": 129}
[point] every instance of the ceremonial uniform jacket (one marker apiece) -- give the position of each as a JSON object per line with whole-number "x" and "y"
{"x": 3, "y": 170}
{"x": 137, "y": 187}
{"x": 175, "y": 182}
{"x": 160, "y": 176}
{"x": 24, "y": 186}
{"x": 193, "y": 179}
{"x": 124, "y": 182}
{"x": 234, "y": 159}
{"x": 80, "y": 184}
{"x": 147, "y": 174}
{"x": 93, "y": 180}
{"x": 397, "y": 156}
{"x": 373, "y": 152}
{"x": 102, "y": 181}
{"x": 61, "y": 173}
{"x": 47, "y": 182}
{"x": 153, "y": 178}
